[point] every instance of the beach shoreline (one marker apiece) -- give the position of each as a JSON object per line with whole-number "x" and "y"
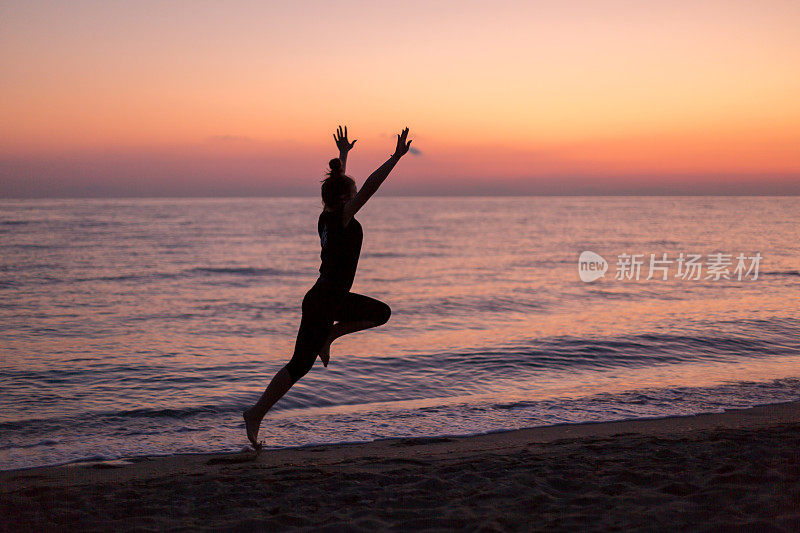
{"x": 739, "y": 468}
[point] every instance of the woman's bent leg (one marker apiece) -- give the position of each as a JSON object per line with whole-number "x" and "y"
{"x": 357, "y": 312}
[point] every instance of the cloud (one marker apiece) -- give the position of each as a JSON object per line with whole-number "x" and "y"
{"x": 414, "y": 151}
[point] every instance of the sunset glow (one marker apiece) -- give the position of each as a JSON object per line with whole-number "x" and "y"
{"x": 241, "y": 98}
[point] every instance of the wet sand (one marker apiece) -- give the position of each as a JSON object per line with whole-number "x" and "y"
{"x": 734, "y": 470}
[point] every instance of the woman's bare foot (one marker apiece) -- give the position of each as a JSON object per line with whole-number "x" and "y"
{"x": 251, "y": 425}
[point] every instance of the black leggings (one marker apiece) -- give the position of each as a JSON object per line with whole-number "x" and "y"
{"x": 322, "y": 306}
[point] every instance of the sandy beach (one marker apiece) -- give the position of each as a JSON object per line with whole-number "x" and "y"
{"x": 714, "y": 472}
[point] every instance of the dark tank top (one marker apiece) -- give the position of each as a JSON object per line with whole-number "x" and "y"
{"x": 341, "y": 246}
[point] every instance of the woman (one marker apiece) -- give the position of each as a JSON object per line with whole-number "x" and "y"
{"x": 330, "y": 299}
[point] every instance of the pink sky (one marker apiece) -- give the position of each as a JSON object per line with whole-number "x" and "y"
{"x": 241, "y": 98}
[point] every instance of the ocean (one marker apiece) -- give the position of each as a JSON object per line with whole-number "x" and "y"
{"x": 141, "y": 327}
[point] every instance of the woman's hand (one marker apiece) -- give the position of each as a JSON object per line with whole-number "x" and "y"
{"x": 342, "y": 143}
{"x": 402, "y": 146}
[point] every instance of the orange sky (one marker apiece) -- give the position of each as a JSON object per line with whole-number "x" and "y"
{"x": 183, "y": 98}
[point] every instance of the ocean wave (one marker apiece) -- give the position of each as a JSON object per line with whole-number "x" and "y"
{"x": 781, "y": 273}
{"x": 383, "y": 254}
{"x": 470, "y": 305}
{"x": 36, "y": 444}
{"x": 251, "y": 272}
{"x": 31, "y": 246}
{"x": 418, "y": 375}
{"x": 643, "y": 349}
{"x": 240, "y": 271}
{"x": 99, "y": 419}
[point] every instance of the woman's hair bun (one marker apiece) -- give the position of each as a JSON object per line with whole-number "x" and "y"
{"x": 336, "y": 184}
{"x": 336, "y": 166}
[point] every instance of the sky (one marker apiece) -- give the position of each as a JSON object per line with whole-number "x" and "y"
{"x": 236, "y": 98}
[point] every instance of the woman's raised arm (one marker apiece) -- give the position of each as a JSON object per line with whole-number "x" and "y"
{"x": 376, "y": 178}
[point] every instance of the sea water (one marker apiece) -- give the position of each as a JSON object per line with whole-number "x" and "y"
{"x": 139, "y": 327}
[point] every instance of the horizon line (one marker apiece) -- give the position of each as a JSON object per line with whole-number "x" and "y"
{"x": 421, "y": 195}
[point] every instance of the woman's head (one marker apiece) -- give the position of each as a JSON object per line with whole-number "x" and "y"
{"x": 337, "y": 188}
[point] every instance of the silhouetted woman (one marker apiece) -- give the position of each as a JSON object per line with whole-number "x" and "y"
{"x": 330, "y": 299}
